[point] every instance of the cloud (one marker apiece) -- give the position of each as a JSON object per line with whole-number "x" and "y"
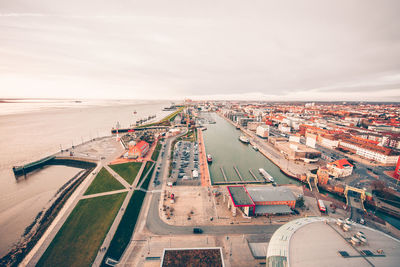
{"x": 181, "y": 49}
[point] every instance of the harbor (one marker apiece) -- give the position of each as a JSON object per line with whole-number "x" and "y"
{"x": 235, "y": 162}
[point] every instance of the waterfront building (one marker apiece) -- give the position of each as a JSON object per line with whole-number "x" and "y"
{"x": 138, "y": 150}
{"x": 261, "y": 200}
{"x": 263, "y": 131}
{"x": 297, "y": 151}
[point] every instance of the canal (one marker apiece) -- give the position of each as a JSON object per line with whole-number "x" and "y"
{"x": 222, "y": 142}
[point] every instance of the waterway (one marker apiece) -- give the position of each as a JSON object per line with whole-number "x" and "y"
{"x": 30, "y": 130}
{"x": 222, "y": 142}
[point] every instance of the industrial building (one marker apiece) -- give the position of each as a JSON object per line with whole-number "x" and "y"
{"x": 260, "y": 200}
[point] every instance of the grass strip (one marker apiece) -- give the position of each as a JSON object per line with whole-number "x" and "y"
{"x": 79, "y": 239}
{"x": 103, "y": 182}
{"x": 128, "y": 170}
{"x": 128, "y": 222}
{"x": 156, "y": 151}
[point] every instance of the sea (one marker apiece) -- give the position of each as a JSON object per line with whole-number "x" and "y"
{"x": 31, "y": 129}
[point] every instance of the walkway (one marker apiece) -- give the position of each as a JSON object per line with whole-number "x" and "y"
{"x": 107, "y": 240}
{"x": 104, "y": 193}
{"x": 204, "y": 172}
{"x": 118, "y": 177}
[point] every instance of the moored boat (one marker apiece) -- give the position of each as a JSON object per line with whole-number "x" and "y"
{"x": 244, "y": 139}
{"x": 255, "y": 147}
{"x": 266, "y": 175}
{"x": 209, "y": 158}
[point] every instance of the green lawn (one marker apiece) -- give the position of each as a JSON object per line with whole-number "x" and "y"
{"x": 125, "y": 228}
{"x": 128, "y": 171}
{"x": 103, "y": 182}
{"x": 156, "y": 152}
{"x": 79, "y": 239}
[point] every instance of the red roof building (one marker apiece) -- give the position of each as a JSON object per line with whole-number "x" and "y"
{"x": 340, "y": 168}
{"x": 139, "y": 150}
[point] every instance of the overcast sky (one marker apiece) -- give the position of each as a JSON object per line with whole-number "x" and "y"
{"x": 267, "y": 50}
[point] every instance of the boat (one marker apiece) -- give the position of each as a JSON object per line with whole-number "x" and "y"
{"x": 134, "y": 112}
{"x": 204, "y": 128}
{"x": 266, "y": 175}
{"x": 209, "y": 158}
{"x": 255, "y": 147}
{"x": 237, "y": 127}
{"x": 244, "y": 139}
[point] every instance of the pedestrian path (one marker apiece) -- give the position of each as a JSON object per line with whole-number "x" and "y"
{"x": 107, "y": 240}
{"x": 118, "y": 177}
{"x": 104, "y": 193}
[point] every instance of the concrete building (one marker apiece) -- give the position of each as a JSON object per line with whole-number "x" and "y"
{"x": 253, "y": 125}
{"x": 320, "y": 241}
{"x": 263, "y": 131}
{"x": 329, "y": 141}
{"x": 369, "y": 150}
{"x": 297, "y": 151}
{"x": 340, "y": 168}
{"x": 261, "y": 200}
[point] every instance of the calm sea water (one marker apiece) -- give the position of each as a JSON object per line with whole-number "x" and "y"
{"x": 222, "y": 142}
{"x": 32, "y": 130}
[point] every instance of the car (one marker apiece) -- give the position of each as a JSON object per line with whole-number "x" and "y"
{"x": 197, "y": 231}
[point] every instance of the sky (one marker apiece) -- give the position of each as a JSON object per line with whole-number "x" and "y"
{"x": 251, "y": 50}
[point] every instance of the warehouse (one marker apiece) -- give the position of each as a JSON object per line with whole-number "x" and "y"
{"x": 260, "y": 200}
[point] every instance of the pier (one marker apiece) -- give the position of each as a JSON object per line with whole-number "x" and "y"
{"x": 77, "y": 162}
{"x": 238, "y": 173}
{"x": 252, "y": 174}
{"x": 223, "y": 173}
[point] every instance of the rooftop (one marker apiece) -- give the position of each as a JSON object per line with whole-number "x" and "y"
{"x": 192, "y": 257}
{"x": 268, "y": 193}
{"x": 328, "y": 245}
{"x": 240, "y": 196}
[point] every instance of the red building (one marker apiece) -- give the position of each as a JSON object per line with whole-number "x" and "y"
{"x": 138, "y": 150}
{"x": 397, "y": 170}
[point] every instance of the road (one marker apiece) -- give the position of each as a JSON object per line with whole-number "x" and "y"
{"x": 157, "y": 226}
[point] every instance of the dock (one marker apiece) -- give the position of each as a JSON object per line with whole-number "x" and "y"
{"x": 77, "y": 162}
{"x": 252, "y": 174}
{"x": 223, "y": 173}
{"x": 238, "y": 173}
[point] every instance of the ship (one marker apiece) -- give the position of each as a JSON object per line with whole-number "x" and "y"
{"x": 266, "y": 175}
{"x": 209, "y": 158}
{"x": 244, "y": 139}
{"x": 255, "y": 147}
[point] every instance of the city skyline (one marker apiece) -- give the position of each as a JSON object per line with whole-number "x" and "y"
{"x": 305, "y": 51}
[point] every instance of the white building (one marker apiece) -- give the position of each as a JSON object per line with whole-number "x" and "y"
{"x": 263, "y": 131}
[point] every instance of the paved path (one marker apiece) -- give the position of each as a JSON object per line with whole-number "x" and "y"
{"x": 117, "y": 176}
{"x": 117, "y": 219}
{"x": 36, "y": 253}
{"x": 104, "y": 193}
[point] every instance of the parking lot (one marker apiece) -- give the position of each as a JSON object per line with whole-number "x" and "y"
{"x": 185, "y": 164}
